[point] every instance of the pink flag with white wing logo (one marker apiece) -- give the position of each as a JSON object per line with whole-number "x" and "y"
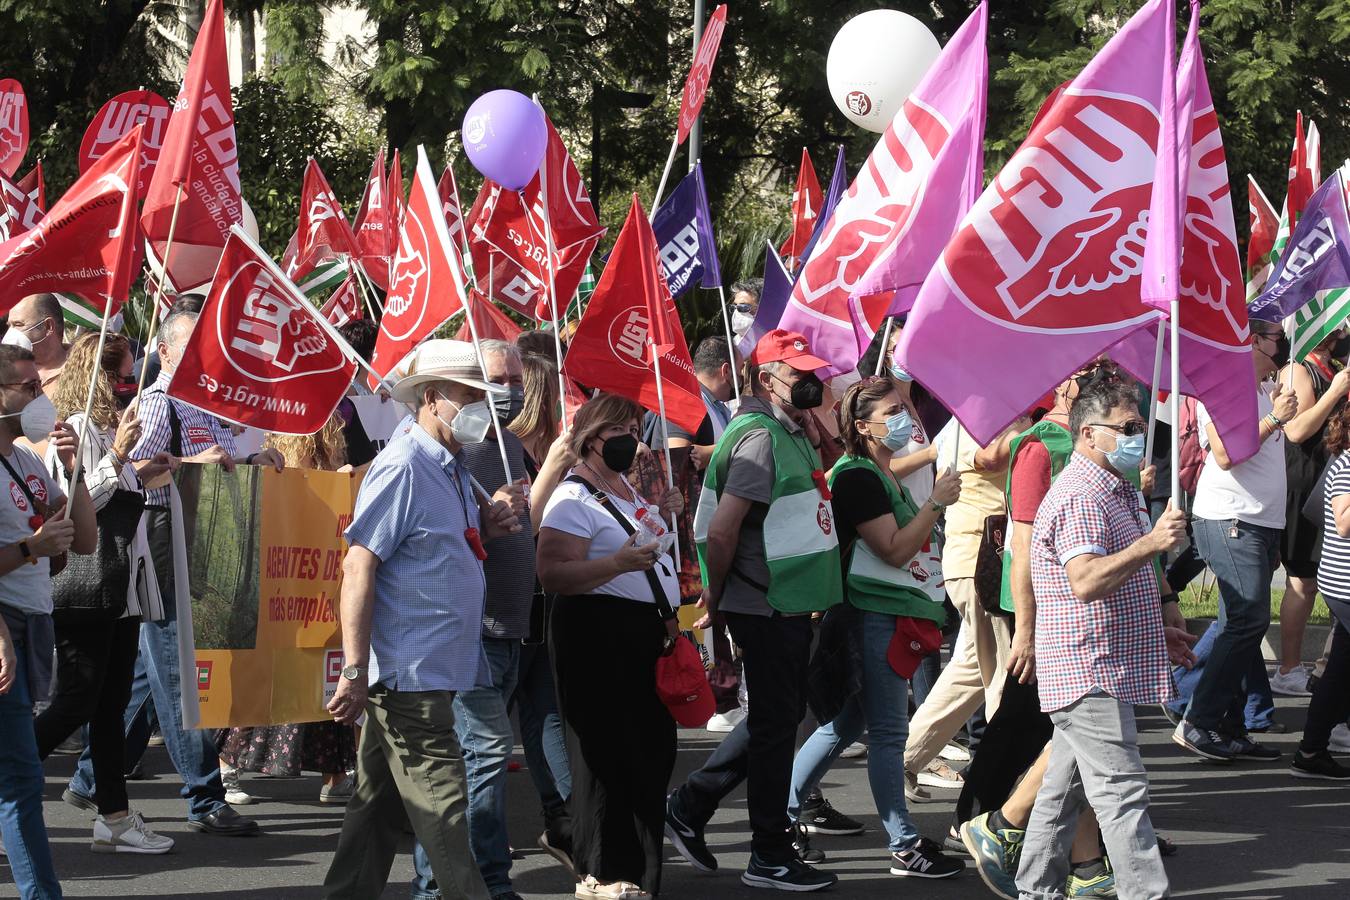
{"x": 891, "y": 225}
{"x": 1044, "y": 271}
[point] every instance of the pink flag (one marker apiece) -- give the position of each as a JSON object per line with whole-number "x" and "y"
{"x": 1043, "y": 272}
{"x": 893, "y": 222}
{"x": 1162, "y": 252}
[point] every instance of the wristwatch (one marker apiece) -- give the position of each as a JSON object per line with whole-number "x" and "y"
{"x": 351, "y": 673}
{"x": 935, "y": 506}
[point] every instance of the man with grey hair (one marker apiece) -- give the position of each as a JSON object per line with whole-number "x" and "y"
{"x": 1101, "y": 647}
{"x": 169, "y": 425}
{"x": 37, "y": 324}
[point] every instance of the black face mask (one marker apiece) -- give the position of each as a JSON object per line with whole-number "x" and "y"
{"x": 508, "y": 406}
{"x": 619, "y": 452}
{"x": 808, "y": 392}
{"x": 1280, "y": 358}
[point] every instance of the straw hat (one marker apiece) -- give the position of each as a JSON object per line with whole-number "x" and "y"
{"x": 442, "y": 360}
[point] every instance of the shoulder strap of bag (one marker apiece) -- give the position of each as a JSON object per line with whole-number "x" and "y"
{"x": 603, "y": 499}
{"x": 38, "y": 507}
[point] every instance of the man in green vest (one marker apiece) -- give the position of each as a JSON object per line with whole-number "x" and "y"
{"x": 770, "y": 557}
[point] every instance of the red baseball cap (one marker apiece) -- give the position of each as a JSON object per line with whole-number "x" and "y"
{"x": 786, "y": 346}
{"x": 682, "y": 685}
{"x": 913, "y": 640}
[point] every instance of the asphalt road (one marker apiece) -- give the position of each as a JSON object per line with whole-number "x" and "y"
{"x": 1247, "y": 831}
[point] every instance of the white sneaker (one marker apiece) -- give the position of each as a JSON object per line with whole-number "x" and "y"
{"x": 1293, "y": 683}
{"x": 339, "y": 793}
{"x": 954, "y": 753}
{"x": 853, "y": 751}
{"x": 727, "y": 721}
{"x": 1340, "y": 739}
{"x": 938, "y": 774}
{"x": 128, "y": 835}
{"x": 234, "y": 794}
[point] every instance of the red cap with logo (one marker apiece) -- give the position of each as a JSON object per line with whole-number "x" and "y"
{"x": 913, "y": 640}
{"x": 682, "y": 685}
{"x": 788, "y": 347}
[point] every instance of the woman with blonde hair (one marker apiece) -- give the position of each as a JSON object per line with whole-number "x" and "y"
{"x": 538, "y": 422}
{"x": 98, "y": 602}
{"x": 287, "y": 750}
{"x": 595, "y": 552}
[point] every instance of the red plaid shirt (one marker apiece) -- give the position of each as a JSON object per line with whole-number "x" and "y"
{"x": 1116, "y": 644}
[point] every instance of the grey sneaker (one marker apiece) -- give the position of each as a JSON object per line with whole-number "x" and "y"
{"x": 128, "y": 835}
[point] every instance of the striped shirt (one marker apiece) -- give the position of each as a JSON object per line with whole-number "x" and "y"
{"x": 1115, "y": 644}
{"x": 1333, "y": 571}
{"x": 412, "y": 511}
{"x": 197, "y": 431}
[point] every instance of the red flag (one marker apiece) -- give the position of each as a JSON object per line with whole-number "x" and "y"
{"x": 1264, "y": 225}
{"x": 118, "y": 116}
{"x": 201, "y": 158}
{"x": 1301, "y": 185}
{"x": 19, "y": 210}
{"x": 345, "y": 304}
{"x": 454, "y": 218}
{"x": 323, "y": 233}
{"x": 13, "y": 125}
{"x": 630, "y": 314}
{"x": 86, "y": 244}
{"x": 508, "y": 240}
{"x": 491, "y": 322}
{"x": 375, "y": 235}
{"x": 260, "y": 355}
{"x": 426, "y": 284}
{"x": 806, "y": 201}
{"x": 35, "y": 186}
{"x": 696, "y": 85}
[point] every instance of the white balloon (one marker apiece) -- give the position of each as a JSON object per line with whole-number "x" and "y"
{"x": 875, "y": 61}
{"x": 249, "y": 221}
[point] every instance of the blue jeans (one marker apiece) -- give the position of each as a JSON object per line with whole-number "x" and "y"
{"x": 156, "y": 690}
{"x": 483, "y": 727}
{"x": 1243, "y": 558}
{"x": 882, "y": 709}
{"x": 1260, "y": 709}
{"x": 21, "y": 823}
{"x": 541, "y": 731}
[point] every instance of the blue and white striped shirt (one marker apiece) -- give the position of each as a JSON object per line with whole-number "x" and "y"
{"x": 197, "y": 431}
{"x": 412, "y": 511}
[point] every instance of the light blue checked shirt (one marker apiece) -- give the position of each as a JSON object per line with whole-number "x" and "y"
{"x": 411, "y": 512}
{"x": 197, "y": 431}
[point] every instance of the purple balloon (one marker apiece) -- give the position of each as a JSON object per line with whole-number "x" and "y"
{"x": 505, "y": 136}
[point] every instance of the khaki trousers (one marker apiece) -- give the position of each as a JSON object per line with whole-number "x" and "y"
{"x": 410, "y": 771}
{"x": 975, "y": 675}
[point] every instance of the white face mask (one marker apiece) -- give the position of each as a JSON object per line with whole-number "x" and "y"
{"x": 472, "y": 424}
{"x": 37, "y": 419}
{"x": 741, "y": 322}
{"x": 18, "y": 337}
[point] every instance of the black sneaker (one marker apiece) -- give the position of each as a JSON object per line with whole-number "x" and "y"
{"x": 791, "y": 875}
{"x": 687, "y": 839}
{"x": 1320, "y": 765}
{"x": 1209, "y": 744}
{"x": 801, "y": 842}
{"x": 925, "y": 860}
{"x": 822, "y": 818}
{"x": 1249, "y": 748}
{"x": 953, "y": 843}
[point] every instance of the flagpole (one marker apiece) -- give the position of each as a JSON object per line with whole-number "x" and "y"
{"x": 731, "y": 343}
{"x": 1174, "y": 400}
{"x": 370, "y": 286}
{"x": 159, "y": 289}
{"x": 1153, "y": 398}
{"x": 885, "y": 339}
{"x": 665, "y": 174}
{"x": 352, "y": 268}
{"x": 665, "y": 435}
{"x": 482, "y": 364}
{"x": 97, "y": 370}
{"x": 552, "y": 286}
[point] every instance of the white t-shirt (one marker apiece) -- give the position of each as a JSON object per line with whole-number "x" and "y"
{"x": 1252, "y": 491}
{"x": 573, "y": 510}
{"x": 919, "y": 483}
{"x": 29, "y": 587}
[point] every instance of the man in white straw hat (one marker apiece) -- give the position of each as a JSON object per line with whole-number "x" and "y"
{"x": 411, "y": 611}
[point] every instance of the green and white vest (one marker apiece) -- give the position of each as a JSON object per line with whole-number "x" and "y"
{"x": 875, "y": 585}
{"x": 1059, "y": 444}
{"x": 800, "y": 543}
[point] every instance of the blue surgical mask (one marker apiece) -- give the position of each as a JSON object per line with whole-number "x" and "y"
{"x": 899, "y": 428}
{"x": 900, "y": 374}
{"x": 1128, "y": 455}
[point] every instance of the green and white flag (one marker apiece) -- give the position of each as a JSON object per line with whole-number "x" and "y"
{"x": 80, "y": 312}
{"x": 324, "y": 279}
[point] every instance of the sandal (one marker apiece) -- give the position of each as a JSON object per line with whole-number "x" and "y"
{"x": 591, "y": 889}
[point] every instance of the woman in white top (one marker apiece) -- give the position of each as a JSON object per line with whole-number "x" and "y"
{"x": 608, "y": 629}
{"x": 96, "y": 648}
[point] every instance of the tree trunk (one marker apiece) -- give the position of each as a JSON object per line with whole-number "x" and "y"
{"x": 248, "y": 44}
{"x": 195, "y": 14}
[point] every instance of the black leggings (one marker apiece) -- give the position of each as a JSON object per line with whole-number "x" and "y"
{"x": 94, "y": 667}
{"x": 1012, "y": 740}
{"x": 1330, "y": 703}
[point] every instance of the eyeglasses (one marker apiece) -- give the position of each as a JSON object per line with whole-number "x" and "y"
{"x": 33, "y": 386}
{"x": 1129, "y": 429}
{"x": 742, "y": 308}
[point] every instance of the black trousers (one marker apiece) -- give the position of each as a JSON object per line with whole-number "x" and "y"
{"x": 1012, "y": 740}
{"x": 620, "y": 736}
{"x": 775, "y": 651}
{"x": 1330, "y": 703}
{"x": 94, "y": 667}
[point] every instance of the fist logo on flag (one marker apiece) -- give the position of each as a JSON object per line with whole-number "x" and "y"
{"x": 273, "y": 332}
{"x": 409, "y": 291}
{"x": 320, "y": 210}
{"x": 1048, "y": 230}
{"x": 629, "y": 338}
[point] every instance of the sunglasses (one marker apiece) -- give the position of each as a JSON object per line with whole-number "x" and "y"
{"x": 1129, "y": 429}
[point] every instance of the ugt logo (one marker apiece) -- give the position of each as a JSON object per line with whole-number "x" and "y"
{"x": 272, "y": 332}
{"x": 628, "y": 336}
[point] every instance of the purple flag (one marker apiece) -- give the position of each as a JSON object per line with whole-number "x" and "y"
{"x": 683, "y": 228}
{"x": 1317, "y": 258}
